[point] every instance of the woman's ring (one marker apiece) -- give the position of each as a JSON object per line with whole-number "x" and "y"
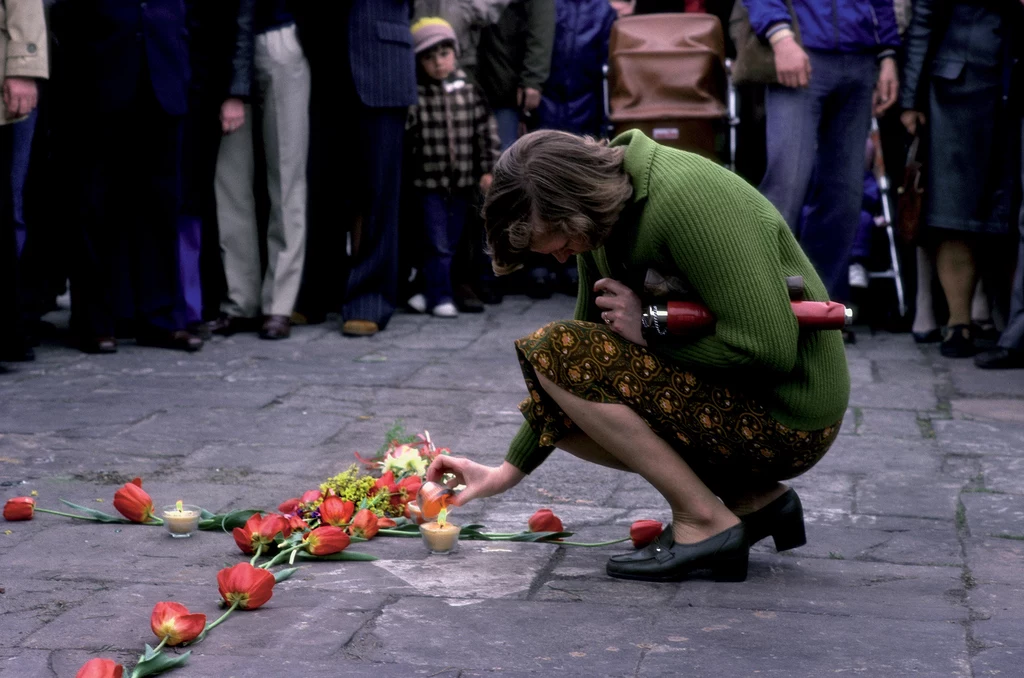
{"x": 606, "y": 319}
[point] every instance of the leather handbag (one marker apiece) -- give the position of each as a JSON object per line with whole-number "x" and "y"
{"x": 755, "y": 61}
{"x": 910, "y": 196}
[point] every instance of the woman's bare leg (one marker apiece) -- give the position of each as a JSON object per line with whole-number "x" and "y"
{"x": 579, "y": 444}
{"x": 696, "y": 512}
{"x": 958, "y": 275}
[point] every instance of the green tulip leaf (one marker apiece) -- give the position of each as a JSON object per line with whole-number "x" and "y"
{"x": 97, "y": 515}
{"x": 152, "y": 664}
{"x": 539, "y": 536}
{"x": 226, "y": 521}
{"x": 343, "y": 555}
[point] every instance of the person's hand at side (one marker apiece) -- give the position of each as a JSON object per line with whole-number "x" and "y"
{"x": 232, "y": 114}
{"x": 485, "y": 183}
{"x": 480, "y": 481}
{"x": 912, "y": 120}
{"x": 20, "y": 96}
{"x": 620, "y": 309}
{"x": 792, "y": 65}
{"x": 529, "y": 98}
{"x": 887, "y": 87}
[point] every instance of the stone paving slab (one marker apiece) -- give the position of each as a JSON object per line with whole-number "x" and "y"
{"x": 901, "y": 574}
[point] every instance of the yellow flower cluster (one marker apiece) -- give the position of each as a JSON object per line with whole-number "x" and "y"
{"x": 349, "y": 485}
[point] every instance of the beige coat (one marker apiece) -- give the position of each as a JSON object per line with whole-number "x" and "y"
{"x": 23, "y": 42}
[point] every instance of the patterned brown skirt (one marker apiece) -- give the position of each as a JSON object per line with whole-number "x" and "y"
{"x": 727, "y": 438}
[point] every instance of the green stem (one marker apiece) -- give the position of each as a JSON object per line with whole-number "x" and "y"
{"x": 580, "y": 543}
{"x": 281, "y": 555}
{"x": 291, "y": 558}
{"x": 210, "y": 627}
{"x": 161, "y": 645}
{"x": 397, "y": 533}
{"x": 259, "y": 550}
{"x": 66, "y": 515}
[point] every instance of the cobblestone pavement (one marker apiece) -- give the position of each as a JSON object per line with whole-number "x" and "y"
{"x": 915, "y": 520}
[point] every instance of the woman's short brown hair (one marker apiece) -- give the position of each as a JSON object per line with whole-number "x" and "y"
{"x": 552, "y": 182}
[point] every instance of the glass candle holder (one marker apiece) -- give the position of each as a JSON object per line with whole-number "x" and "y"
{"x": 180, "y": 523}
{"x": 440, "y": 539}
{"x": 433, "y": 497}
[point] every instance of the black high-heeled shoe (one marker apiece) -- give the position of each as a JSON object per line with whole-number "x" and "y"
{"x": 783, "y": 520}
{"x": 724, "y": 554}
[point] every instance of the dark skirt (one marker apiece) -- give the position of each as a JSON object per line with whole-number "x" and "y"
{"x": 973, "y": 151}
{"x": 726, "y": 437}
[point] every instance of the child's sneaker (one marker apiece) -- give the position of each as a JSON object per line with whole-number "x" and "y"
{"x": 418, "y": 303}
{"x": 446, "y": 310}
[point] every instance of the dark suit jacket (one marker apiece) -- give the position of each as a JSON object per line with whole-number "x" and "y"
{"x": 379, "y": 45}
{"x": 110, "y": 44}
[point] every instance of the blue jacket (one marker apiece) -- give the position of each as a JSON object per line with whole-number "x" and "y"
{"x": 832, "y": 25}
{"x": 573, "y": 94}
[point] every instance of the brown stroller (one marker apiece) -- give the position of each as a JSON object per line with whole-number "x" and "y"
{"x": 667, "y": 76}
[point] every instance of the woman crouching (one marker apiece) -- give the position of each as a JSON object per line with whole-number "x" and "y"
{"x": 713, "y": 422}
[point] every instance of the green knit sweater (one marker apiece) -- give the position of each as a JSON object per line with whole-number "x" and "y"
{"x": 694, "y": 219}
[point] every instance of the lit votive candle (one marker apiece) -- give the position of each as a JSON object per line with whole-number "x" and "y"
{"x": 440, "y": 538}
{"x": 180, "y": 520}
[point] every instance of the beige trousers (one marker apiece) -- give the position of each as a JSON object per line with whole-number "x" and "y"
{"x": 282, "y": 79}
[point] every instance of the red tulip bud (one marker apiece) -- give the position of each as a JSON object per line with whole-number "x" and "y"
{"x": 289, "y": 505}
{"x": 246, "y": 585}
{"x": 334, "y": 511}
{"x": 173, "y": 621}
{"x": 19, "y": 508}
{"x": 100, "y": 668}
{"x": 133, "y": 502}
{"x": 364, "y": 524}
{"x": 309, "y": 496}
{"x": 643, "y": 532}
{"x": 545, "y": 521}
{"x": 326, "y": 540}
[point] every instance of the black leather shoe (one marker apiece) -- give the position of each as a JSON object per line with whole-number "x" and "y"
{"x": 226, "y": 325}
{"x": 1000, "y": 359}
{"x": 467, "y": 301}
{"x": 929, "y": 337}
{"x": 178, "y": 340}
{"x": 782, "y": 519}
{"x": 276, "y": 327}
{"x": 98, "y": 345}
{"x": 724, "y": 554}
{"x": 959, "y": 342}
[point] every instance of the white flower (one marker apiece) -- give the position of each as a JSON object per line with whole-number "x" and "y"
{"x": 405, "y": 459}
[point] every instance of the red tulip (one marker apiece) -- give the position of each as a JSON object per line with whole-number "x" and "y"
{"x": 364, "y": 524}
{"x": 297, "y": 523}
{"x": 273, "y": 525}
{"x": 133, "y": 502}
{"x": 246, "y": 585}
{"x": 289, "y": 505}
{"x": 309, "y": 496}
{"x": 544, "y": 521}
{"x": 173, "y": 621}
{"x": 643, "y": 532}
{"x": 386, "y": 483}
{"x": 384, "y": 522}
{"x": 19, "y": 508}
{"x": 336, "y": 512}
{"x": 407, "y": 490}
{"x": 100, "y": 668}
{"x": 326, "y": 540}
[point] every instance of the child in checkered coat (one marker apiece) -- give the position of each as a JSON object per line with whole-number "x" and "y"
{"x": 452, "y": 140}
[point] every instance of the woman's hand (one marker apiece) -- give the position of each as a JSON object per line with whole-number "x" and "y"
{"x": 620, "y": 309}
{"x": 232, "y": 114}
{"x": 887, "y": 87}
{"x": 480, "y": 480}
{"x": 912, "y": 120}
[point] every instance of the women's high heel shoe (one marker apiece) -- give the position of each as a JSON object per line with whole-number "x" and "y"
{"x": 725, "y": 555}
{"x": 783, "y": 520}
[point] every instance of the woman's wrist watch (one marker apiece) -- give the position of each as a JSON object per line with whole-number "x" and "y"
{"x": 654, "y": 324}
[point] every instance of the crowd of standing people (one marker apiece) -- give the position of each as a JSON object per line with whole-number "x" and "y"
{"x": 197, "y": 167}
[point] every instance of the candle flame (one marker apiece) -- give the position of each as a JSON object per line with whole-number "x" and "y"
{"x": 179, "y": 505}
{"x": 442, "y": 517}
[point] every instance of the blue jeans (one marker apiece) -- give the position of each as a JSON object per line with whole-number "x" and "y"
{"x": 444, "y": 215}
{"x": 816, "y": 138}
{"x": 508, "y": 125}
